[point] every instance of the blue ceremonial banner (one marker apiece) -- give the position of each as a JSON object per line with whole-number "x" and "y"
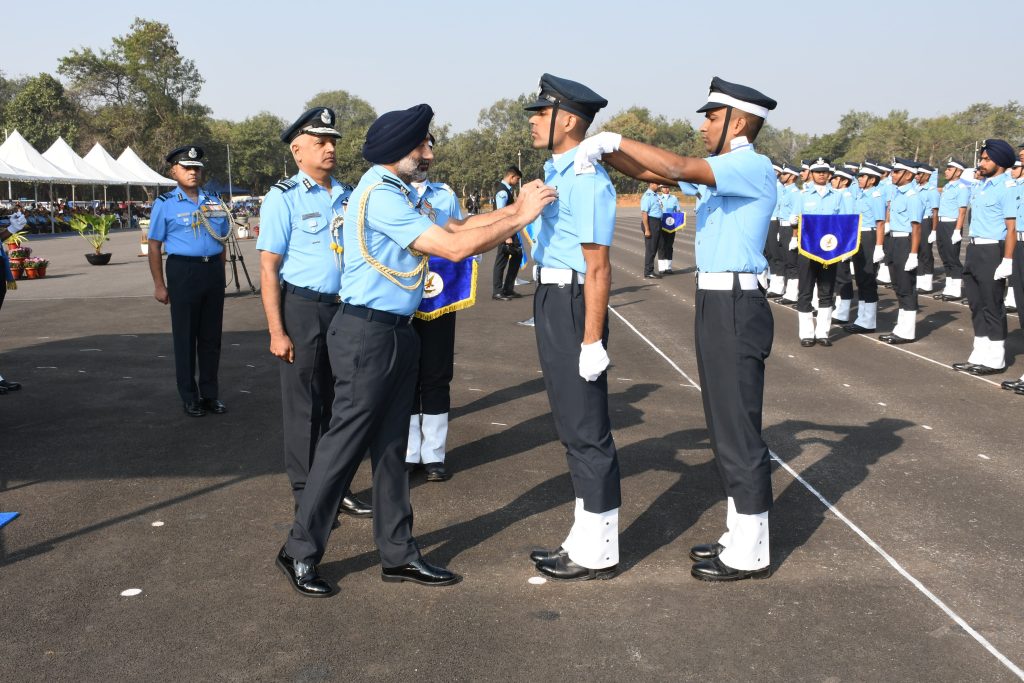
{"x": 830, "y": 238}
{"x": 449, "y": 286}
{"x": 6, "y": 517}
{"x": 673, "y": 222}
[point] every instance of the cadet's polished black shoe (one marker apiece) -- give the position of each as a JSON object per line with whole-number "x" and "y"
{"x": 436, "y": 471}
{"x": 894, "y": 339}
{"x": 981, "y": 370}
{"x": 963, "y": 367}
{"x": 715, "y": 570}
{"x": 1012, "y": 384}
{"x": 215, "y": 406}
{"x": 1019, "y": 390}
{"x": 772, "y": 295}
{"x": 194, "y": 408}
{"x": 513, "y": 295}
{"x": 8, "y": 385}
{"x": 350, "y": 505}
{"x": 564, "y": 569}
{"x": 652, "y": 276}
{"x": 807, "y": 343}
{"x": 946, "y": 297}
{"x": 1011, "y": 309}
{"x": 823, "y": 341}
{"x": 544, "y": 555}
{"x": 303, "y": 577}
{"x": 706, "y": 551}
{"x": 500, "y": 297}
{"x": 854, "y": 328}
{"x": 420, "y": 571}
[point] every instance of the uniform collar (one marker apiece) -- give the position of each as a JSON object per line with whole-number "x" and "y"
{"x": 564, "y": 160}
{"x": 906, "y": 188}
{"x": 309, "y": 184}
{"x": 385, "y": 173}
{"x": 183, "y": 196}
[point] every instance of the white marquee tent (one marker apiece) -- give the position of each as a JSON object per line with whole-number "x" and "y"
{"x": 130, "y": 160}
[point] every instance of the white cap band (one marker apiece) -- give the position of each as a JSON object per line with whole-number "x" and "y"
{"x": 728, "y": 100}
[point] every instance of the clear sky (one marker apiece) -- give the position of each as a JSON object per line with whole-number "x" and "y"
{"x": 819, "y": 60}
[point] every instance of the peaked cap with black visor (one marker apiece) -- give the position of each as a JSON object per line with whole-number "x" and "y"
{"x": 724, "y": 94}
{"x": 561, "y": 93}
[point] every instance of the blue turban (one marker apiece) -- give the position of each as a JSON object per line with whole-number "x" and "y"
{"x": 1000, "y": 152}
{"x": 396, "y": 133}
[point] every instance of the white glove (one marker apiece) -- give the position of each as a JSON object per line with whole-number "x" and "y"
{"x": 593, "y": 360}
{"x": 1004, "y": 269}
{"x": 911, "y": 263}
{"x": 931, "y": 237}
{"x": 18, "y": 223}
{"x": 593, "y": 148}
{"x": 793, "y": 244}
{"x": 887, "y": 228}
{"x": 879, "y": 254}
{"x": 956, "y": 238}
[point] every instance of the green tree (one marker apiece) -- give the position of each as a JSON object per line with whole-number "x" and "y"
{"x": 258, "y": 156}
{"x": 354, "y": 116}
{"x": 637, "y": 123}
{"x": 42, "y": 112}
{"x": 140, "y": 93}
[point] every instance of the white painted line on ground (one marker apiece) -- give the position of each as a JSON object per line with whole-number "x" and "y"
{"x": 853, "y": 527}
{"x": 537, "y": 580}
{"x": 656, "y": 349}
{"x": 244, "y": 391}
{"x": 157, "y": 524}
{"x": 46, "y": 367}
{"x": 131, "y": 592}
{"x": 472, "y": 389}
{"x": 90, "y": 349}
{"x": 927, "y": 427}
{"x": 499, "y": 424}
{"x": 881, "y": 404}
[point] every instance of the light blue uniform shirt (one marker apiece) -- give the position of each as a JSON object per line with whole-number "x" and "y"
{"x": 733, "y": 216}
{"x": 954, "y": 196}
{"x": 650, "y": 202}
{"x": 929, "y": 199}
{"x": 298, "y": 223}
{"x": 832, "y": 202}
{"x": 1020, "y": 204}
{"x": 669, "y": 203}
{"x": 888, "y": 189}
{"x": 173, "y": 216}
{"x": 905, "y": 208}
{"x": 441, "y": 200}
{"x": 502, "y": 197}
{"x": 393, "y": 222}
{"x": 779, "y": 191}
{"x": 789, "y": 204}
{"x": 992, "y": 204}
{"x": 870, "y": 204}
{"x": 584, "y": 213}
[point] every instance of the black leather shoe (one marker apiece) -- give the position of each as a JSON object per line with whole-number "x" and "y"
{"x": 1011, "y": 309}
{"x": 194, "y": 408}
{"x": 1012, "y": 384}
{"x": 982, "y": 370}
{"x": 894, "y": 339}
{"x": 854, "y": 328}
{"x": 420, "y": 571}
{"x": 772, "y": 295}
{"x": 350, "y": 505}
{"x": 807, "y": 343}
{"x": 946, "y": 297}
{"x": 706, "y": 551}
{"x": 303, "y": 577}
{"x": 2, "y": 391}
{"x": 715, "y": 570}
{"x": 564, "y": 569}
{"x": 215, "y": 406}
{"x": 823, "y": 341}
{"x": 514, "y": 295}
{"x": 1019, "y": 390}
{"x": 500, "y": 297}
{"x": 652, "y": 276}
{"x": 545, "y": 555}
{"x": 963, "y": 367}
{"x": 9, "y": 385}
{"x": 436, "y": 471}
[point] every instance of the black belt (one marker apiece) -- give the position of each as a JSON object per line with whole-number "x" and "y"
{"x": 373, "y": 315}
{"x": 312, "y": 294}
{"x": 194, "y": 259}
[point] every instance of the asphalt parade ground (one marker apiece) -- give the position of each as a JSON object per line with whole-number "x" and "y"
{"x": 896, "y": 533}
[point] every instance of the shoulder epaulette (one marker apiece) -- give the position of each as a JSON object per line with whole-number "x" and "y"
{"x": 876, "y": 193}
{"x": 285, "y": 184}
{"x": 1011, "y": 183}
{"x": 165, "y": 195}
{"x": 394, "y": 183}
{"x": 443, "y": 186}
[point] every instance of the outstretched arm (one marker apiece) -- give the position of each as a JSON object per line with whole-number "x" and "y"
{"x": 637, "y": 158}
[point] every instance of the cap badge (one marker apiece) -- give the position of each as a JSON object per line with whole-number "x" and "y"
{"x": 192, "y": 153}
{"x": 325, "y": 116}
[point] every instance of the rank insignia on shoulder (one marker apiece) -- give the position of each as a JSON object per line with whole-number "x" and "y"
{"x": 306, "y": 184}
{"x": 285, "y": 184}
{"x": 164, "y": 196}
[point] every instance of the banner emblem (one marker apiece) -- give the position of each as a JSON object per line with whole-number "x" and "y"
{"x": 829, "y": 238}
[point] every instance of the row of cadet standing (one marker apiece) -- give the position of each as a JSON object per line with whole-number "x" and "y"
{"x": 902, "y": 213}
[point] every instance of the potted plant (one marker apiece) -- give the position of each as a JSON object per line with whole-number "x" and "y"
{"x": 94, "y": 230}
{"x": 35, "y": 268}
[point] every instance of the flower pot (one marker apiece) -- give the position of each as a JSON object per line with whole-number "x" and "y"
{"x": 42, "y": 271}
{"x": 98, "y": 259}
{"x": 18, "y": 273}
{"x": 17, "y": 262}
{"x": 32, "y": 273}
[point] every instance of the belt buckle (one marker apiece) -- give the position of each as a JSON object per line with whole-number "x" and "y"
{"x": 206, "y": 259}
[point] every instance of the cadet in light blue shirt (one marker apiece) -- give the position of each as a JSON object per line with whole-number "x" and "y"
{"x": 953, "y": 202}
{"x": 905, "y": 211}
{"x": 733, "y": 327}
{"x": 870, "y": 205}
{"x": 192, "y": 227}
{"x": 669, "y": 204}
{"x": 650, "y": 222}
{"x": 929, "y": 194}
